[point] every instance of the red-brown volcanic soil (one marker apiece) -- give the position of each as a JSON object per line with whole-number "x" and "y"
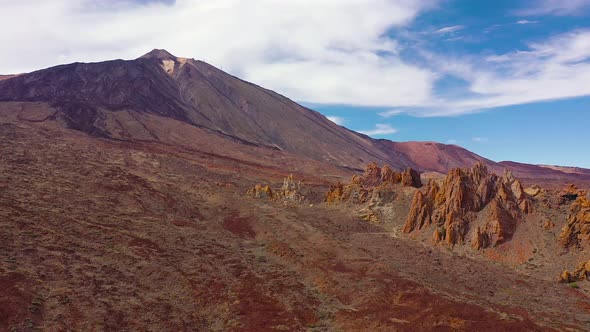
{"x": 102, "y": 234}
{"x": 123, "y": 207}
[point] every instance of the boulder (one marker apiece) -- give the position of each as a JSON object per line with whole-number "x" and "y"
{"x": 548, "y": 224}
{"x": 566, "y": 277}
{"x": 582, "y": 272}
{"x": 533, "y": 190}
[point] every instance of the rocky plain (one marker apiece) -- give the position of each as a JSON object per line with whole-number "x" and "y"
{"x": 161, "y": 194}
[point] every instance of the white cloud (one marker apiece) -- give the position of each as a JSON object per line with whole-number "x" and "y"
{"x": 453, "y": 141}
{"x": 550, "y": 70}
{"x": 346, "y": 79}
{"x": 336, "y": 119}
{"x": 450, "y": 29}
{"x": 452, "y": 39}
{"x": 380, "y": 129}
{"x": 320, "y": 51}
{"x": 390, "y": 113}
{"x": 554, "y": 69}
{"x": 480, "y": 139}
{"x": 555, "y": 7}
{"x": 522, "y": 22}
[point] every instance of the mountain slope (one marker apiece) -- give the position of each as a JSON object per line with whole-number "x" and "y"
{"x": 163, "y": 98}
{"x": 123, "y": 206}
{"x": 193, "y": 92}
{"x": 435, "y": 157}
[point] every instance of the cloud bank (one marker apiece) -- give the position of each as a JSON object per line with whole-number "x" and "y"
{"x": 346, "y": 52}
{"x": 549, "y": 70}
{"x": 320, "y": 51}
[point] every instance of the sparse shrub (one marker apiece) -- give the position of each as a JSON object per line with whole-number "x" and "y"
{"x": 262, "y": 259}
{"x": 324, "y": 314}
{"x": 36, "y": 305}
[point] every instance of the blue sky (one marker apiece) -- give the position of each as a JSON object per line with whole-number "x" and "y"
{"x": 553, "y": 133}
{"x": 509, "y": 80}
{"x": 539, "y": 132}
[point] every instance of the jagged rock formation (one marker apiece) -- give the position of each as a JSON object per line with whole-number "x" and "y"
{"x": 582, "y": 272}
{"x": 374, "y": 184}
{"x": 577, "y": 230}
{"x": 289, "y": 192}
{"x": 374, "y": 188}
{"x": 453, "y": 206}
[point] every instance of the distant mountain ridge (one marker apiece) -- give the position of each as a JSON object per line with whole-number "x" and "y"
{"x": 136, "y": 100}
{"x": 92, "y": 96}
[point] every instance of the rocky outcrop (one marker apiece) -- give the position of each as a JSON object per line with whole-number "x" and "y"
{"x": 582, "y": 272}
{"x": 576, "y": 232}
{"x": 548, "y": 224}
{"x": 453, "y": 206}
{"x": 421, "y": 211}
{"x": 556, "y": 198}
{"x": 570, "y": 194}
{"x": 373, "y": 189}
{"x": 411, "y": 178}
{"x": 291, "y": 192}
{"x": 374, "y": 184}
{"x": 533, "y": 190}
{"x": 260, "y": 191}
